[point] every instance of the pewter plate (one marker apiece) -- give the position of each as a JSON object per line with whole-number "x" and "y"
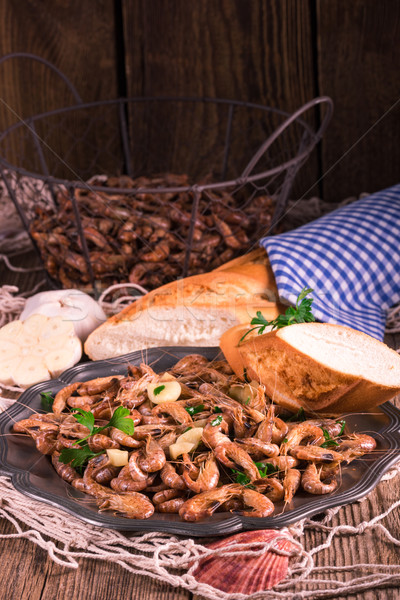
{"x": 32, "y": 473}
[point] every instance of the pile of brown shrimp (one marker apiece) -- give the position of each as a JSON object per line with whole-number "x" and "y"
{"x": 236, "y": 434}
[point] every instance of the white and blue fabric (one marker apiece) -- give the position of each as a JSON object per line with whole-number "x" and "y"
{"x": 351, "y": 259}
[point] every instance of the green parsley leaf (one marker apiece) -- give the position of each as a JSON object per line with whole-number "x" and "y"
{"x": 247, "y": 401}
{"x": 301, "y": 313}
{"x": 241, "y": 477}
{"x": 217, "y": 409}
{"x": 188, "y": 429}
{"x": 285, "y": 441}
{"x": 77, "y": 456}
{"x": 119, "y": 421}
{"x": 217, "y": 421}
{"x": 329, "y": 441}
{"x": 158, "y": 389}
{"x": 266, "y": 469}
{"x": 343, "y": 424}
{"x": 193, "y": 410}
{"x": 84, "y": 417}
{"x": 46, "y": 400}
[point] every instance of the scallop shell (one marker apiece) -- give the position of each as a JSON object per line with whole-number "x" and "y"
{"x": 243, "y": 574}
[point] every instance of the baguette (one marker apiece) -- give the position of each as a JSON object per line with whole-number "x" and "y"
{"x": 194, "y": 311}
{"x": 320, "y": 367}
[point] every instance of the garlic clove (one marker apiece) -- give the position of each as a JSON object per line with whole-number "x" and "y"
{"x": 29, "y": 371}
{"x": 192, "y": 435}
{"x": 36, "y": 349}
{"x": 179, "y": 448}
{"x": 118, "y": 458}
{"x": 164, "y": 391}
{"x": 8, "y": 349}
{"x": 12, "y": 330}
{"x": 7, "y": 368}
{"x": 61, "y": 359}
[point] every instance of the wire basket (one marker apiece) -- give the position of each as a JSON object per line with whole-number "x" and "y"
{"x": 148, "y": 190}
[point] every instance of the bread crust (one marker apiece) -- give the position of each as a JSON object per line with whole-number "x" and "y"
{"x": 293, "y": 379}
{"x": 240, "y": 290}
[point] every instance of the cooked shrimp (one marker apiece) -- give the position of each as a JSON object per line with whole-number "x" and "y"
{"x": 136, "y": 473}
{"x": 259, "y": 505}
{"x": 265, "y": 428}
{"x": 282, "y": 463}
{"x": 216, "y": 434}
{"x": 205, "y": 504}
{"x": 270, "y": 487}
{"x": 132, "y": 505}
{"x": 232, "y": 455}
{"x": 170, "y": 506}
{"x": 126, "y": 484}
{"x": 124, "y": 439}
{"x": 170, "y": 477}
{"x": 91, "y": 486}
{"x": 152, "y": 456}
{"x": 83, "y": 402}
{"x": 316, "y": 454}
{"x": 98, "y": 386}
{"x": 356, "y": 446}
{"x": 66, "y": 472}
{"x": 255, "y": 446}
{"x": 208, "y": 477}
{"x": 60, "y": 400}
{"x": 291, "y": 484}
{"x": 99, "y": 442}
{"x": 279, "y": 430}
{"x": 174, "y": 410}
{"x": 299, "y": 433}
{"x": 311, "y": 480}
{"x": 165, "y": 495}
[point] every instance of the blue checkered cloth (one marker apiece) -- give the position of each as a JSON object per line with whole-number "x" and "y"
{"x": 351, "y": 259}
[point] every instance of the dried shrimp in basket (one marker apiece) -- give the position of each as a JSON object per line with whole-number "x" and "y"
{"x": 193, "y": 440}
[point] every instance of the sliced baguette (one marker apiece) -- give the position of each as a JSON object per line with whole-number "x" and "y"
{"x": 320, "y": 367}
{"x": 194, "y": 311}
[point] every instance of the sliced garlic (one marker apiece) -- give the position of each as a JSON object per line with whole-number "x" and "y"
{"x": 37, "y": 349}
{"x": 243, "y": 392}
{"x": 179, "y": 448}
{"x": 164, "y": 391}
{"x": 192, "y": 435}
{"x": 118, "y": 458}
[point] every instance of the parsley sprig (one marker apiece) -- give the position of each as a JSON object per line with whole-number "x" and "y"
{"x": 301, "y": 313}
{"x": 80, "y": 455}
{"x": 264, "y": 470}
{"x": 194, "y": 410}
{"x": 46, "y": 400}
{"x": 329, "y": 440}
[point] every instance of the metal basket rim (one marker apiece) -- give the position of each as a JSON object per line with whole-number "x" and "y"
{"x": 297, "y": 160}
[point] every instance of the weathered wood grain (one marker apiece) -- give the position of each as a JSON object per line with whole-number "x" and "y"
{"x": 79, "y": 40}
{"x": 358, "y": 48}
{"x": 256, "y": 52}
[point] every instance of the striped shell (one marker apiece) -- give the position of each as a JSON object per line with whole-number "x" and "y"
{"x": 243, "y": 574}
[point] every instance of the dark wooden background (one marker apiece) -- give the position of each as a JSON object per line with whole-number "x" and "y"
{"x": 280, "y": 53}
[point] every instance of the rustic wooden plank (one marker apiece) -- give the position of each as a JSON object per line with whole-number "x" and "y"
{"x": 80, "y": 42}
{"x": 39, "y": 578}
{"x": 258, "y": 52}
{"x": 358, "y": 57}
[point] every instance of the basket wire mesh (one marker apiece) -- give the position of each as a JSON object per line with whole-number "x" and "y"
{"x": 148, "y": 189}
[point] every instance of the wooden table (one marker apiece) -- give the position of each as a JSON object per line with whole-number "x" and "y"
{"x": 28, "y": 573}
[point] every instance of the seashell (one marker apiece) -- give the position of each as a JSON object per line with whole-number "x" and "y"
{"x": 246, "y": 574}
